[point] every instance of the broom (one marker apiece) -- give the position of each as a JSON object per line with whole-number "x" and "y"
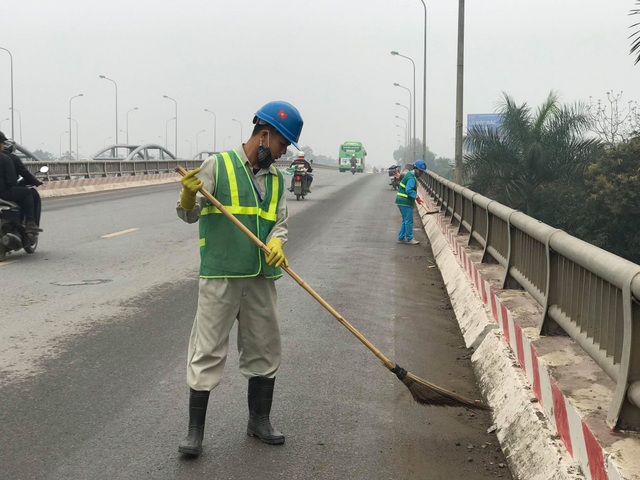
{"x": 422, "y": 391}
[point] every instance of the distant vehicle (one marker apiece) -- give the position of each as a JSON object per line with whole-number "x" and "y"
{"x": 347, "y": 150}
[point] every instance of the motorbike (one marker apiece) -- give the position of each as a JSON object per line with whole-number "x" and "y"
{"x": 13, "y": 234}
{"x": 353, "y": 169}
{"x": 300, "y": 188}
{"x": 394, "y": 173}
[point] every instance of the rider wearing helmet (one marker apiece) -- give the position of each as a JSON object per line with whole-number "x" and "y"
{"x": 405, "y": 199}
{"x": 237, "y": 280}
{"x": 10, "y": 189}
{"x": 300, "y": 160}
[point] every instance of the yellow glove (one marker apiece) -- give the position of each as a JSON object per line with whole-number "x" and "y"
{"x": 277, "y": 255}
{"x": 190, "y": 186}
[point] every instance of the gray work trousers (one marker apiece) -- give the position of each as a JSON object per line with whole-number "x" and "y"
{"x": 253, "y": 302}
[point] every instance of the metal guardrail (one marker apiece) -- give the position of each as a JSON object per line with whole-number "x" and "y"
{"x": 588, "y": 293}
{"x": 114, "y": 168}
{"x": 94, "y": 168}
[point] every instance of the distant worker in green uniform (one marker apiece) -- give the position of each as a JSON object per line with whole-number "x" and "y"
{"x": 405, "y": 199}
{"x": 237, "y": 280}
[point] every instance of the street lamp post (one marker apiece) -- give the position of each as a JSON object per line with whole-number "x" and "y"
{"x": 75, "y": 96}
{"x": 406, "y": 127}
{"x": 224, "y": 142}
{"x": 116, "y": 85}
{"x": 409, "y": 119}
{"x": 166, "y": 133}
{"x": 403, "y": 128}
{"x": 215, "y": 149}
{"x": 197, "y": 141}
{"x": 11, "y": 65}
{"x": 61, "y": 135}
{"x": 3, "y": 121}
{"x": 128, "y": 112}
{"x": 241, "y": 137}
{"x": 410, "y": 109}
{"x": 414, "y": 98}
{"x": 176, "y": 117}
{"x": 77, "y": 136}
{"x": 19, "y": 122}
{"x": 190, "y": 147}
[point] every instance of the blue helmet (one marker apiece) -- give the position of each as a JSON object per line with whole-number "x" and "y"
{"x": 284, "y": 117}
{"x": 420, "y": 165}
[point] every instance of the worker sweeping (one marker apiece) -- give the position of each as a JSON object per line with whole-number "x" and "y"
{"x": 237, "y": 279}
{"x": 405, "y": 199}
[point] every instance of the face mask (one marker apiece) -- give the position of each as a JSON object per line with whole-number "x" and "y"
{"x": 264, "y": 157}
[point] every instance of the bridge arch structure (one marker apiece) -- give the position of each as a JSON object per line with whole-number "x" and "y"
{"x": 147, "y": 151}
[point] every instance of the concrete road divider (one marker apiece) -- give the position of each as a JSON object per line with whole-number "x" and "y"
{"x": 61, "y": 188}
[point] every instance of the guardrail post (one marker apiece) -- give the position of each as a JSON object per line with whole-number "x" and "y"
{"x": 624, "y": 412}
{"x": 549, "y": 326}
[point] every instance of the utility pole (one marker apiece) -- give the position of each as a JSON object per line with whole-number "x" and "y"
{"x": 459, "y": 93}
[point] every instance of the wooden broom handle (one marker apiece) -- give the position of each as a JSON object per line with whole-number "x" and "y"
{"x": 387, "y": 363}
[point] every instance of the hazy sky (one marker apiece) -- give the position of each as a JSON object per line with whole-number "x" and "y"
{"x": 329, "y": 58}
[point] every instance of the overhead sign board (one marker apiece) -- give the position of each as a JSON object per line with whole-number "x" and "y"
{"x": 491, "y": 120}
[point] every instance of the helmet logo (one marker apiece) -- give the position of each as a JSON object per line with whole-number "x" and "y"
{"x": 282, "y": 114}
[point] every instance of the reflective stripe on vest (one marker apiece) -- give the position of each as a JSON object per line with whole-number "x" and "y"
{"x": 235, "y": 208}
{"x": 405, "y": 188}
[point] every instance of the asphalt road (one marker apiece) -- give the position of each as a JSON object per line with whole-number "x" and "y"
{"x": 94, "y": 339}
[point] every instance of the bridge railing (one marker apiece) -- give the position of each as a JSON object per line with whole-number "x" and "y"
{"x": 107, "y": 168}
{"x": 112, "y": 168}
{"x": 585, "y": 292}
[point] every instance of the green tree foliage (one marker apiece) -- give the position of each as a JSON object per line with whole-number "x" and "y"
{"x": 44, "y": 155}
{"x": 530, "y": 152}
{"x": 613, "y": 185}
{"x": 445, "y": 167}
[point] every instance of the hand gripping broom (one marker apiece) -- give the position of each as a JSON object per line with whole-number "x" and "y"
{"x": 422, "y": 391}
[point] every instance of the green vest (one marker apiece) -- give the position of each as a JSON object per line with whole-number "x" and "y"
{"x": 402, "y": 198}
{"x": 226, "y": 251}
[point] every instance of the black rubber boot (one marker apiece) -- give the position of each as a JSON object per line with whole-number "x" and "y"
{"x": 192, "y": 444}
{"x": 260, "y": 399}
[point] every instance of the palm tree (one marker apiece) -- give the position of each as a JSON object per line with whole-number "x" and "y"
{"x": 635, "y": 43}
{"x": 528, "y": 151}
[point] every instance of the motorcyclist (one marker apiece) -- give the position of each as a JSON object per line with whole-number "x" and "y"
{"x": 10, "y": 189}
{"x": 300, "y": 160}
{"x": 28, "y": 179}
{"x": 354, "y": 161}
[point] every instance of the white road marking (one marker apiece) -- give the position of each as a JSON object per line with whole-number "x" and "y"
{"x": 115, "y": 234}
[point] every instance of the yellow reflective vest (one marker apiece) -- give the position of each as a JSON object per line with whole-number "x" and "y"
{"x": 401, "y": 197}
{"x": 225, "y": 251}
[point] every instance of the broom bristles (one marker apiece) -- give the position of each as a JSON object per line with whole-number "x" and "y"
{"x": 427, "y": 393}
